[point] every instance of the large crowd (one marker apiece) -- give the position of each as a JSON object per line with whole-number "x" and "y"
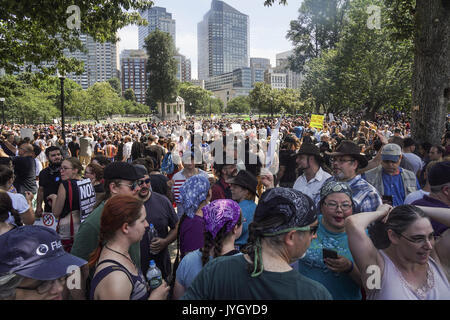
{"x": 258, "y": 209}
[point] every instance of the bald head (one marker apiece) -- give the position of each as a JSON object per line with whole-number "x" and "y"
{"x": 26, "y": 149}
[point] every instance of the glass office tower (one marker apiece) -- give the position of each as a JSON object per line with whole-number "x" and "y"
{"x": 223, "y": 40}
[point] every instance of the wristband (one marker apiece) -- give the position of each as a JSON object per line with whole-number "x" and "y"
{"x": 350, "y": 269}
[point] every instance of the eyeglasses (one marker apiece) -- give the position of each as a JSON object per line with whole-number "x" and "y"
{"x": 334, "y": 205}
{"x": 311, "y": 229}
{"x": 44, "y": 286}
{"x": 131, "y": 186}
{"x": 420, "y": 239}
{"x": 340, "y": 161}
{"x": 146, "y": 181}
{"x": 64, "y": 168}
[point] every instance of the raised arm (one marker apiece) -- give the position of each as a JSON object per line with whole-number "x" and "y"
{"x": 364, "y": 252}
{"x": 441, "y": 215}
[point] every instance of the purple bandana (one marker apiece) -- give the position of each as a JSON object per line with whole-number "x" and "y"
{"x": 219, "y": 213}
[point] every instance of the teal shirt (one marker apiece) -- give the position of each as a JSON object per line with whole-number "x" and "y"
{"x": 248, "y": 210}
{"x": 340, "y": 285}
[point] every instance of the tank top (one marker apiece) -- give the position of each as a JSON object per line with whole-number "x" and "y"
{"x": 140, "y": 289}
{"x": 394, "y": 287}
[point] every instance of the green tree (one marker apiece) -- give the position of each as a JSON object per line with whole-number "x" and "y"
{"x": 39, "y": 31}
{"x": 103, "y": 101}
{"x": 116, "y": 85}
{"x": 129, "y": 94}
{"x": 162, "y": 68}
{"x": 317, "y": 28}
{"x": 194, "y": 97}
{"x": 259, "y": 97}
{"x": 239, "y": 105}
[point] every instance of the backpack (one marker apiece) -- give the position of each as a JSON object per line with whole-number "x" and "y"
{"x": 167, "y": 166}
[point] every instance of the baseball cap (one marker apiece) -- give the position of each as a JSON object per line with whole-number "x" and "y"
{"x": 35, "y": 252}
{"x": 141, "y": 169}
{"x": 439, "y": 174}
{"x": 391, "y": 152}
{"x": 121, "y": 170}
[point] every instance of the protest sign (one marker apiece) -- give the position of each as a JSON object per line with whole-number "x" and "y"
{"x": 87, "y": 198}
{"x": 316, "y": 121}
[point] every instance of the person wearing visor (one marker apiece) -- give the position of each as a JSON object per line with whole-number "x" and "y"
{"x": 283, "y": 226}
{"x": 328, "y": 259}
{"x": 223, "y": 225}
{"x": 34, "y": 265}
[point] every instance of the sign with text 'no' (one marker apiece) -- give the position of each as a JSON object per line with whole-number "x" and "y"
{"x": 316, "y": 121}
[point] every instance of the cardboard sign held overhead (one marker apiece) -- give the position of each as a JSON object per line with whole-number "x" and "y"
{"x": 316, "y": 121}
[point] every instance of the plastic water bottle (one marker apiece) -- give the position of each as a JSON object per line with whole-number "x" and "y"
{"x": 152, "y": 234}
{"x": 154, "y": 277}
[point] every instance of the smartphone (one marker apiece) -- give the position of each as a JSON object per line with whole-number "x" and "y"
{"x": 328, "y": 253}
{"x": 387, "y": 200}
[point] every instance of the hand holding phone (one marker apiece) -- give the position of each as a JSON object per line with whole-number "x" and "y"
{"x": 328, "y": 253}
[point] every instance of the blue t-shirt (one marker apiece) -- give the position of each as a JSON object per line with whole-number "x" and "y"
{"x": 248, "y": 210}
{"x": 393, "y": 186}
{"x": 340, "y": 285}
{"x": 298, "y": 131}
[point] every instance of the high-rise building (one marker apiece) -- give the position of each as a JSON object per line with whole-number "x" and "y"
{"x": 100, "y": 62}
{"x": 133, "y": 70}
{"x": 275, "y": 79}
{"x": 223, "y": 40}
{"x": 183, "y": 68}
{"x": 293, "y": 79}
{"x": 158, "y": 18}
{"x": 258, "y": 66}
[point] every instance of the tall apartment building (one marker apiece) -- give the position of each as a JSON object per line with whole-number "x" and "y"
{"x": 258, "y": 66}
{"x": 100, "y": 62}
{"x": 183, "y": 68}
{"x": 133, "y": 70}
{"x": 275, "y": 79}
{"x": 223, "y": 40}
{"x": 293, "y": 79}
{"x": 158, "y": 18}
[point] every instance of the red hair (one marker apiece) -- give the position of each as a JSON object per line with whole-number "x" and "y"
{"x": 117, "y": 211}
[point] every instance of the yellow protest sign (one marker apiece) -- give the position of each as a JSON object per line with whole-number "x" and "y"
{"x": 316, "y": 121}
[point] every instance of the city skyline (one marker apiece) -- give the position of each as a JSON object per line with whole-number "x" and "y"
{"x": 266, "y": 39}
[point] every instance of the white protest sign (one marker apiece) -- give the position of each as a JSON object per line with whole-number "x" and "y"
{"x": 330, "y": 117}
{"x": 87, "y": 198}
{"x": 26, "y": 132}
{"x": 273, "y": 144}
{"x": 236, "y": 127}
{"x": 47, "y": 220}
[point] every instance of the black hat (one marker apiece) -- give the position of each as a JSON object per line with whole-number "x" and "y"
{"x": 121, "y": 170}
{"x": 439, "y": 174}
{"x": 246, "y": 180}
{"x": 309, "y": 149}
{"x": 347, "y": 147}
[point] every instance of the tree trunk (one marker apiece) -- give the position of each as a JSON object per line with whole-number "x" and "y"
{"x": 163, "y": 110}
{"x": 431, "y": 71}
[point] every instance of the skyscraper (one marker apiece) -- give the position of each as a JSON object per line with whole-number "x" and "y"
{"x": 183, "y": 68}
{"x": 133, "y": 66}
{"x": 223, "y": 40}
{"x": 100, "y": 62}
{"x": 157, "y": 18}
{"x": 258, "y": 67}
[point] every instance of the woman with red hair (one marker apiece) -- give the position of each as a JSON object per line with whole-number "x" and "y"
{"x": 116, "y": 276}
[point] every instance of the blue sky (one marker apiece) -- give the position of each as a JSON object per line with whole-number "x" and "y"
{"x": 268, "y": 26}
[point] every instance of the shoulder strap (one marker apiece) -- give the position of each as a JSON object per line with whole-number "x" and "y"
{"x": 120, "y": 267}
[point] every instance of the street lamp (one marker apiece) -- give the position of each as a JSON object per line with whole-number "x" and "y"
{"x": 61, "y": 78}
{"x": 3, "y": 110}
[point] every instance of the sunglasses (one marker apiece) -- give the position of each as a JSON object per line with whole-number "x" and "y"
{"x": 44, "y": 286}
{"x": 146, "y": 181}
{"x": 132, "y": 186}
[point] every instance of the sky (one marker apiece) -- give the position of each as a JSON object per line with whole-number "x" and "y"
{"x": 268, "y": 27}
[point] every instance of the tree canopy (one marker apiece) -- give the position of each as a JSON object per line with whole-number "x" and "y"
{"x": 39, "y": 31}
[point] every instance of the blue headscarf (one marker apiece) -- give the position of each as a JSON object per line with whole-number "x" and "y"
{"x": 192, "y": 193}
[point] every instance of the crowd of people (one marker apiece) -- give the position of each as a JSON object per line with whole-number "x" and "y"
{"x": 296, "y": 213}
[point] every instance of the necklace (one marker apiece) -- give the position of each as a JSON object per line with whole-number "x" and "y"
{"x": 123, "y": 255}
{"x": 421, "y": 292}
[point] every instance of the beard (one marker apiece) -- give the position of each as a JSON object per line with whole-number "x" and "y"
{"x": 143, "y": 193}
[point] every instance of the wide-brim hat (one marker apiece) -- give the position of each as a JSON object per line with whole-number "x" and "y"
{"x": 245, "y": 179}
{"x": 347, "y": 147}
{"x": 308, "y": 149}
